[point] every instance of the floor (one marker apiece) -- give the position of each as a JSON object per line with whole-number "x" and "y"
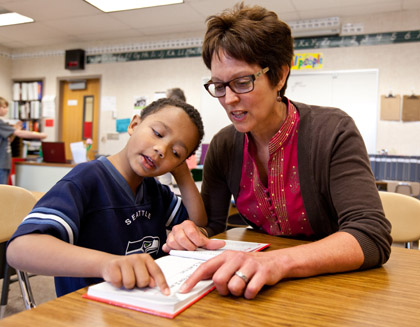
{"x": 42, "y": 289}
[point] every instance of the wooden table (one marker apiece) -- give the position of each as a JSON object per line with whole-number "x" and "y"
{"x": 386, "y": 296}
{"x": 381, "y": 185}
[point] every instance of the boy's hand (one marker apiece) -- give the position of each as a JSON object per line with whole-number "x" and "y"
{"x": 187, "y": 236}
{"x": 134, "y": 270}
{"x": 181, "y": 171}
{"x": 190, "y": 195}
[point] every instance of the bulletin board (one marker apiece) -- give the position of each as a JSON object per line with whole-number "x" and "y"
{"x": 353, "y": 91}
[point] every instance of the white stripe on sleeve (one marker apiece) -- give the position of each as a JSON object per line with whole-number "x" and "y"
{"x": 174, "y": 212}
{"x": 56, "y": 218}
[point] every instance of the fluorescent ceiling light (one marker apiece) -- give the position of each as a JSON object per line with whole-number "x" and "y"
{"x": 118, "y": 5}
{"x": 12, "y": 18}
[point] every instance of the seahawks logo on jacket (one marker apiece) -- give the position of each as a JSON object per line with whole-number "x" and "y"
{"x": 148, "y": 244}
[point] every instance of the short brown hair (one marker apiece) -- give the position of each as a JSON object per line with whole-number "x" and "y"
{"x": 3, "y": 102}
{"x": 251, "y": 34}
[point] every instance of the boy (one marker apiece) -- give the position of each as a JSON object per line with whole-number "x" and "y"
{"x": 107, "y": 218}
{"x": 7, "y": 132}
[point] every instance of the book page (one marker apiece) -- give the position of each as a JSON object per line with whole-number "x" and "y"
{"x": 204, "y": 254}
{"x": 176, "y": 271}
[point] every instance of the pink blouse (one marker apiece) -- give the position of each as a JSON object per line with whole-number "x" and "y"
{"x": 277, "y": 208}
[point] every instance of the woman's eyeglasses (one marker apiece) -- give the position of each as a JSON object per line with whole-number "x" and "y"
{"x": 238, "y": 85}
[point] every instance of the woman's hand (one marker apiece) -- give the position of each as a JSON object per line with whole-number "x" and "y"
{"x": 134, "y": 270}
{"x": 336, "y": 253}
{"x": 259, "y": 269}
{"x": 187, "y": 236}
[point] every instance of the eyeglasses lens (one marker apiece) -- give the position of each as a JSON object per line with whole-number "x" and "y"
{"x": 242, "y": 84}
{"x": 238, "y": 85}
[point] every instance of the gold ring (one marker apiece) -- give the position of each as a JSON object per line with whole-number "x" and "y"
{"x": 242, "y": 276}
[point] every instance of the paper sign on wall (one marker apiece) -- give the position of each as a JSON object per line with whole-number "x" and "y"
{"x": 48, "y": 106}
{"x": 109, "y": 103}
{"x": 49, "y": 122}
{"x": 391, "y": 107}
{"x": 122, "y": 125}
{"x": 411, "y": 108}
{"x": 307, "y": 61}
{"x": 140, "y": 102}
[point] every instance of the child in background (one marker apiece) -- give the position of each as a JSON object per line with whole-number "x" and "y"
{"x": 7, "y": 133}
{"x": 176, "y": 93}
{"x": 107, "y": 219}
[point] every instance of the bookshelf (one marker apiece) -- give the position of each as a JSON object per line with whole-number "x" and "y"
{"x": 27, "y": 104}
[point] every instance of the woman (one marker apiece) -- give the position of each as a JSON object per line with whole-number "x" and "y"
{"x": 293, "y": 169}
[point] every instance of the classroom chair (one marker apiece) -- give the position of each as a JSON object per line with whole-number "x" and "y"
{"x": 403, "y": 212}
{"x": 15, "y": 204}
{"x": 403, "y": 187}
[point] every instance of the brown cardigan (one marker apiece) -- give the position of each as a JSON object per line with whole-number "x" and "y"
{"x": 337, "y": 185}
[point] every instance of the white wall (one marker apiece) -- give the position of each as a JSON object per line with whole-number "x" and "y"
{"x": 398, "y": 67}
{"x": 353, "y": 91}
{"x": 122, "y": 80}
{"x": 399, "y": 71}
{"x": 5, "y": 73}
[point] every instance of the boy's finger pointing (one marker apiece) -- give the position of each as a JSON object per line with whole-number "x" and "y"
{"x": 158, "y": 278}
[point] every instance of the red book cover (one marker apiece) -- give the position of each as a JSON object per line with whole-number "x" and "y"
{"x": 176, "y": 267}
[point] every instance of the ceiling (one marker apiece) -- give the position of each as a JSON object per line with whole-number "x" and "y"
{"x": 59, "y": 22}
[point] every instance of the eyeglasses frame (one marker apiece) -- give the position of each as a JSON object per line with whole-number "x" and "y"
{"x": 225, "y": 84}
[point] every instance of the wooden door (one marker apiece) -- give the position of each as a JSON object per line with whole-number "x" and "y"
{"x": 80, "y": 115}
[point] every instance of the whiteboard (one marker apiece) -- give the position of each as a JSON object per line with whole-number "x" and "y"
{"x": 353, "y": 91}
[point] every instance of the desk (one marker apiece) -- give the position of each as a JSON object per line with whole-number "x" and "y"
{"x": 386, "y": 296}
{"x": 40, "y": 177}
{"x": 382, "y": 185}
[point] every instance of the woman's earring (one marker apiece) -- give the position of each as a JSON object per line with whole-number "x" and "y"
{"x": 278, "y": 98}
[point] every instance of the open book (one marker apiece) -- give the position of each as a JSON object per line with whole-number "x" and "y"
{"x": 176, "y": 267}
